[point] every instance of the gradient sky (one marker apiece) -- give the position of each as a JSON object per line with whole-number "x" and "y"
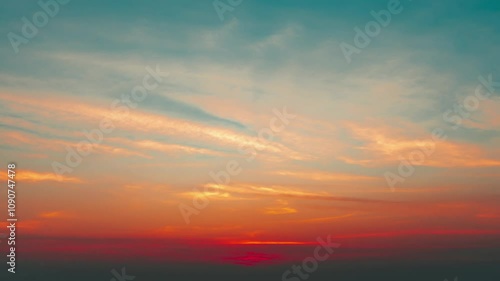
{"x": 322, "y": 175}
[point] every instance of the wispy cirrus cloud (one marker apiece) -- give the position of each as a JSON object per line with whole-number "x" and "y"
{"x": 33, "y": 176}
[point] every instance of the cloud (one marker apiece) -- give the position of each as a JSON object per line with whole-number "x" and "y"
{"x": 383, "y": 146}
{"x": 325, "y": 176}
{"x": 33, "y": 176}
{"x": 281, "y": 208}
{"x": 245, "y": 190}
{"x": 53, "y": 215}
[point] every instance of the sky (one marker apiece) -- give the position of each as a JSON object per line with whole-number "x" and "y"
{"x": 235, "y": 134}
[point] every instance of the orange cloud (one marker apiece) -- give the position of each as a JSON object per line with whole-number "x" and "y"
{"x": 237, "y": 191}
{"x": 281, "y": 208}
{"x": 52, "y": 215}
{"x": 32, "y": 176}
{"x": 37, "y": 143}
{"x": 139, "y": 121}
{"x": 167, "y": 147}
{"x": 384, "y": 146}
{"x": 323, "y": 176}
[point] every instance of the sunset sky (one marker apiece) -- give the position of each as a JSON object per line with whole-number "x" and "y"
{"x": 330, "y": 169}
